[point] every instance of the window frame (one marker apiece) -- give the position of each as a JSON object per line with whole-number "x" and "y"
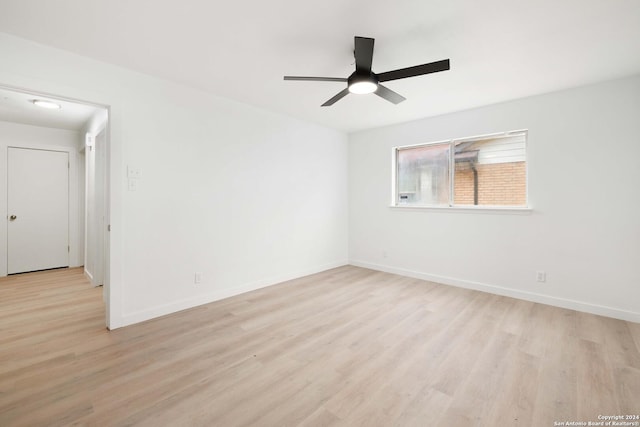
{"x": 452, "y": 144}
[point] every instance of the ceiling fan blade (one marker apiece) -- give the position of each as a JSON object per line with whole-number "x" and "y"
{"x": 363, "y": 53}
{"x": 316, "y": 79}
{"x": 389, "y": 95}
{"x": 338, "y": 97}
{"x": 418, "y": 70}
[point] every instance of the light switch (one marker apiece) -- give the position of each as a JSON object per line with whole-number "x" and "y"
{"x": 133, "y": 172}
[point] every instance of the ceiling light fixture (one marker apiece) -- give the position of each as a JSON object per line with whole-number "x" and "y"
{"x": 362, "y": 83}
{"x": 46, "y": 104}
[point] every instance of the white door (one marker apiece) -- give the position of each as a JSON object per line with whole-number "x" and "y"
{"x": 100, "y": 145}
{"x": 95, "y": 225}
{"x": 38, "y": 209}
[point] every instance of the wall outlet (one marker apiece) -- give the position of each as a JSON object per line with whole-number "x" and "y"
{"x": 384, "y": 254}
{"x": 541, "y": 276}
{"x": 132, "y": 184}
{"x": 197, "y": 278}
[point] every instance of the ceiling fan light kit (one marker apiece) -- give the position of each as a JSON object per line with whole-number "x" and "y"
{"x": 364, "y": 81}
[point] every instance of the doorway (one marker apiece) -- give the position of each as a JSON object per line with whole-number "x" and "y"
{"x": 43, "y": 152}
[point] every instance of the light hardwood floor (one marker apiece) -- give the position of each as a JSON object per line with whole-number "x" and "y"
{"x": 346, "y": 347}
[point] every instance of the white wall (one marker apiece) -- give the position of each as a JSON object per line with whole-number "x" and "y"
{"x": 584, "y": 188}
{"x": 242, "y": 195}
{"x": 27, "y": 136}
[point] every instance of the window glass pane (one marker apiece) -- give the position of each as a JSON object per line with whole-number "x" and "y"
{"x": 423, "y": 175}
{"x": 491, "y": 171}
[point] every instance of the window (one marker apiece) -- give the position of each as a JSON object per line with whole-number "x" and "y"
{"x": 485, "y": 171}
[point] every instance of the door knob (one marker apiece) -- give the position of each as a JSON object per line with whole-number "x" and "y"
{"x": 12, "y": 218}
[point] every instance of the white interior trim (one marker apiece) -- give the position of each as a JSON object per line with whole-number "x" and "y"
{"x": 469, "y": 209}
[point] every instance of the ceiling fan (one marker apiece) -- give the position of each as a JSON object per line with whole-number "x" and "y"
{"x": 363, "y": 80}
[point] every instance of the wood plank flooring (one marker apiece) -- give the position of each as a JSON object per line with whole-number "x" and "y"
{"x": 346, "y": 347}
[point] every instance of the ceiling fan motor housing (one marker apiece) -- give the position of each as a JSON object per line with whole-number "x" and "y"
{"x": 362, "y": 81}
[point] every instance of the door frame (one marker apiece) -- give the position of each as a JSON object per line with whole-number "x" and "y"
{"x": 74, "y": 208}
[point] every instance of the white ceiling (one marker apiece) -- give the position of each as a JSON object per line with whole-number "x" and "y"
{"x": 499, "y": 49}
{"x": 18, "y": 107}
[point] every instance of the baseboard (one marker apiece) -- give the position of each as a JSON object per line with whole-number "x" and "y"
{"x": 141, "y": 316}
{"x": 601, "y": 310}
{"x": 88, "y": 275}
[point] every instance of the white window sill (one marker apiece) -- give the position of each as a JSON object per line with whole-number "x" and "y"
{"x": 468, "y": 209}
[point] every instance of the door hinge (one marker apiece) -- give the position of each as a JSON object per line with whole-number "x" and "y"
{"x": 68, "y": 248}
{"x": 108, "y": 227}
